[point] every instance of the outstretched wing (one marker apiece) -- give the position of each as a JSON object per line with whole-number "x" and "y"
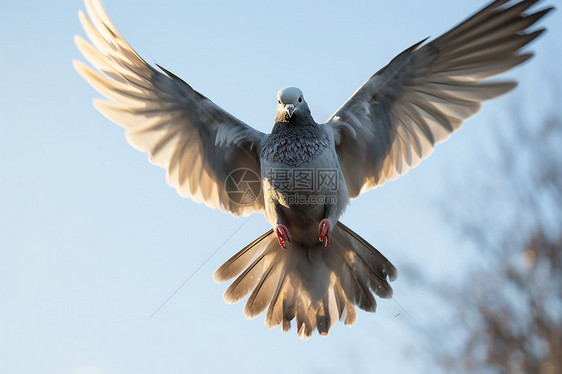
{"x": 423, "y": 95}
{"x": 199, "y": 143}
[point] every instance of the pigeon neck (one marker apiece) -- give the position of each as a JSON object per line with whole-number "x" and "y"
{"x": 284, "y": 118}
{"x": 298, "y": 119}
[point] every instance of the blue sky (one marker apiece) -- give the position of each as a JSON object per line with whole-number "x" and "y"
{"x": 92, "y": 240}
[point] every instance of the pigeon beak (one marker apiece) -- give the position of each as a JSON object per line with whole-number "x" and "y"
{"x": 289, "y": 108}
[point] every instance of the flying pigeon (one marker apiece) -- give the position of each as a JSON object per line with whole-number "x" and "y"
{"x": 309, "y": 267}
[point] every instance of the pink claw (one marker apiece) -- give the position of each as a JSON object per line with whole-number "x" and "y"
{"x": 324, "y": 231}
{"x": 282, "y": 235}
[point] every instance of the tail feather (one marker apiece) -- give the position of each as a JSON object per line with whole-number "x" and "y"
{"x": 316, "y": 286}
{"x": 327, "y": 314}
{"x": 245, "y": 281}
{"x": 364, "y": 280}
{"x": 378, "y": 263}
{"x": 306, "y": 316}
{"x": 288, "y": 302}
{"x": 237, "y": 263}
{"x": 323, "y": 320}
{"x": 265, "y": 289}
{"x": 356, "y": 279}
{"x": 274, "y": 315}
{"x": 340, "y": 300}
{"x": 374, "y": 265}
{"x": 348, "y": 313}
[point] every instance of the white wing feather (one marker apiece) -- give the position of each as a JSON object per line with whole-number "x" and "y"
{"x": 198, "y": 143}
{"x": 423, "y": 95}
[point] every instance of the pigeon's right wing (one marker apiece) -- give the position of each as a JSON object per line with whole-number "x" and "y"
{"x": 209, "y": 155}
{"x": 424, "y": 94}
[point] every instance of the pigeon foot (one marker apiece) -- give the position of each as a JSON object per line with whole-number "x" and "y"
{"x": 283, "y": 235}
{"x": 324, "y": 231}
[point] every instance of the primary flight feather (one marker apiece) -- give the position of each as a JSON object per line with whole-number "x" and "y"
{"x": 309, "y": 266}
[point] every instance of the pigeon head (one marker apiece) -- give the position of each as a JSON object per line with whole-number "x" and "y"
{"x": 290, "y": 101}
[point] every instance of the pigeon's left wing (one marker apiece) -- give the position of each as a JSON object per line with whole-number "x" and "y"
{"x": 207, "y": 152}
{"x": 423, "y": 95}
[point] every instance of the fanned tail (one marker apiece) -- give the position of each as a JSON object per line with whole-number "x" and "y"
{"x": 316, "y": 286}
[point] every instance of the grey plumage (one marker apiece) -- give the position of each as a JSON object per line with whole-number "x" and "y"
{"x": 293, "y": 145}
{"x": 386, "y": 127}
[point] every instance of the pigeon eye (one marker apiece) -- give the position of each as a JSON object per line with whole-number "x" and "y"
{"x": 300, "y": 99}
{"x": 279, "y": 101}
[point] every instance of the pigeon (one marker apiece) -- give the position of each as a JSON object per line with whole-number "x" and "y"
{"x": 309, "y": 267}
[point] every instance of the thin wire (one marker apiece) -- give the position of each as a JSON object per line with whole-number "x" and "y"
{"x": 404, "y": 309}
{"x": 199, "y": 268}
